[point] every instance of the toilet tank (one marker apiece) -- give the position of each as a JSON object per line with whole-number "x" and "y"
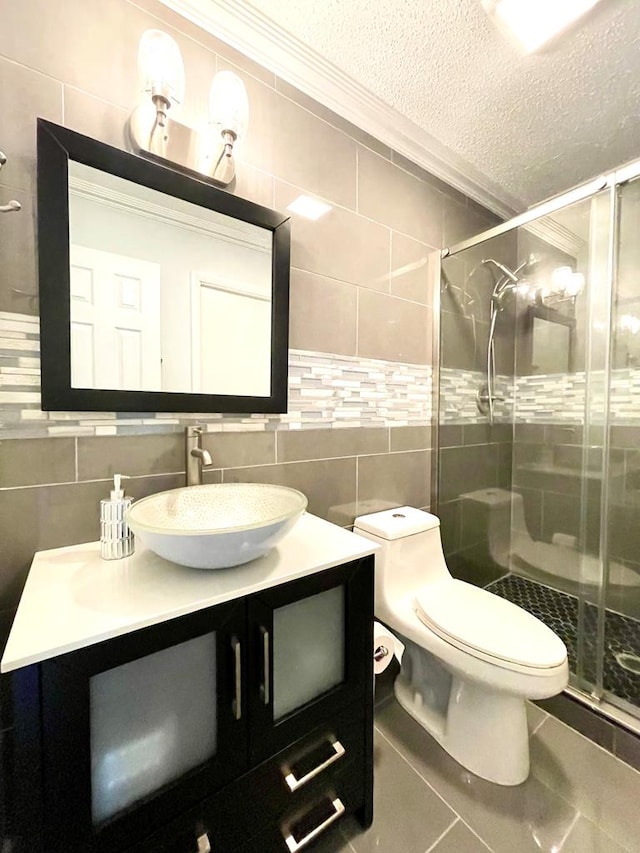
{"x": 410, "y": 554}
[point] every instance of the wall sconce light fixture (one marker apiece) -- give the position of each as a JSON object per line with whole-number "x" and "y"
{"x": 154, "y": 127}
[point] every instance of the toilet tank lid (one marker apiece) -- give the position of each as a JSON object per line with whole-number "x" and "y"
{"x": 396, "y": 523}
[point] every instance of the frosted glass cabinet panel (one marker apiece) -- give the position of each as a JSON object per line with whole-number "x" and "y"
{"x": 308, "y": 649}
{"x": 151, "y": 720}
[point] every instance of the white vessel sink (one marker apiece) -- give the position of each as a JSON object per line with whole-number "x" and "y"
{"x": 217, "y": 525}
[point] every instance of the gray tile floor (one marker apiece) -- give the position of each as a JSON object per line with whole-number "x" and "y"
{"x": 577, "y": 799}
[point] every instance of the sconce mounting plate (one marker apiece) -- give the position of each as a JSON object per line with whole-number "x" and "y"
{"x": 177, "y": 143}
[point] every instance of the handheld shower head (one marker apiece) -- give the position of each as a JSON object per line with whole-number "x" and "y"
{"x": 504, "y": 270}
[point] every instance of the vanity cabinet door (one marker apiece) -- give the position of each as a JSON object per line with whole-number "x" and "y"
{"x": 310, "y": 644}
{"x": 142, "y": 727}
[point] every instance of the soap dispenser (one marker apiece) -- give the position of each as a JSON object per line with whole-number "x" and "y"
{"x": 116, "y": 540}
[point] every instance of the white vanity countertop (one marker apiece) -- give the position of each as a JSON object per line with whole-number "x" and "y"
{"x": 73, "y": 598}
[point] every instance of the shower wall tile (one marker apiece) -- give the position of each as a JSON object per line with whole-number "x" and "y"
{"x": 462, "y": 220}
{"x": 532, "y": 501}
{"x": 505, "y": 465}
{"x": 485, "y": 433}
{"x": 450, "y": 435}
{"x": 461, "y": 341}
{"x": 560, "y": 514}
{"x": 474, "y": 565}
{"x": 449, "y": 514}
{"x": 466, "y": 469}
{"x": 533, "y": 433}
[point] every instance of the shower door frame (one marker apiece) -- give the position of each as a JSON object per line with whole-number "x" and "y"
{"x": 612, "y": 181}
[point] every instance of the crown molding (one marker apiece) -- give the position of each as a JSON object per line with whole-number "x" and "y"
{"x": 246, "y": 29}
{"x": 142, "y": 207}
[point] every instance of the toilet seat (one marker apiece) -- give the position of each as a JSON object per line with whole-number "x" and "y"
{"x": 487, "y": 626}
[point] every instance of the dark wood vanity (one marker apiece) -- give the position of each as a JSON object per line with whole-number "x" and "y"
{"x": 241, "y": 726}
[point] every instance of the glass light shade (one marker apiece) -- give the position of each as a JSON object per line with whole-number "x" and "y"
{"x": 228, "y": 104}
{"x": 534, "y": 22}
{"x": 629, "y": 323}
{"x": 160, "y": 66}
{"x": 576, "y": 285}
{"x": 560, "y": 277}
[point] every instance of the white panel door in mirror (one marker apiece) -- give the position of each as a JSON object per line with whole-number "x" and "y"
{"x": 233, "y": 358}
{"x": 115, "y": 321}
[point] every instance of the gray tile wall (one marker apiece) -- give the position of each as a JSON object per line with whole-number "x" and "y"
{"x": 360, "y": 285}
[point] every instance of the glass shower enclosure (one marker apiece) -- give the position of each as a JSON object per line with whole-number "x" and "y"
{"x": 538, "y": 463}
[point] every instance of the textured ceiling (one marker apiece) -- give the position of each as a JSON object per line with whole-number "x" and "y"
{"x": 535, "y": 125}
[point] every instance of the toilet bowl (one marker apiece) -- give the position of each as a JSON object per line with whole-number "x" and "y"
{"x": 510, "y": 544}
{"x": 471, "y": 657}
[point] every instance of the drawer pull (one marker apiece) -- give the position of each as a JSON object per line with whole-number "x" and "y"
{"x": 204, "y": 845}
{"x": 294, "y": 845}
{"x": 266, "y": 675}
{"x": 294, "y": 783}
{"x": 237, "y": 702}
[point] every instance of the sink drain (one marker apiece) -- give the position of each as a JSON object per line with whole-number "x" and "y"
{"x": 629, "y": 662}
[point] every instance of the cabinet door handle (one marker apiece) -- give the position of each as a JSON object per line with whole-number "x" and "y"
{"x": 294, "y": 783}
{"x": 266, "y": 674}
{"x": 294, "y": 845}
{"x": 236, "y": 705}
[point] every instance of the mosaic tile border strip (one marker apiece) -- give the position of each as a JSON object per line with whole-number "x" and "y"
{"x": 551, "y": 398}
{"x": 325, "y": 390}
{"x": 458, "y": 393}
{"x": 560, "y": 398}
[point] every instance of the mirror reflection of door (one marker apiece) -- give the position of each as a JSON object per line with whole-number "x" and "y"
{"x": 133, "y": 229}
{"x": 115, "y": 321}
{"x": 232, "y": 358}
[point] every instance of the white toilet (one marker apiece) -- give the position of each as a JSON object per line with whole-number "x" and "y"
{"x": 471, "y": 657}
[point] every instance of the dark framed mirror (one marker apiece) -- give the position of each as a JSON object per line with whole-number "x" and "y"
{"x": 158, "y": 291}
{"x": 545, "y": 341}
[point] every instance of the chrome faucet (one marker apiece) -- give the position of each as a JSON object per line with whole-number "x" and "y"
{"x": 197, "y": 458}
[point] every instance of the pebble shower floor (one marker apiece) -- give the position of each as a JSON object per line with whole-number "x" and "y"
{"x": 559, "y": 611}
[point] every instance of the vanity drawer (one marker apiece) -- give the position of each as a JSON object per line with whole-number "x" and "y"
{"x": 331, "y": 754}
{"x": 301, "y": 828}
